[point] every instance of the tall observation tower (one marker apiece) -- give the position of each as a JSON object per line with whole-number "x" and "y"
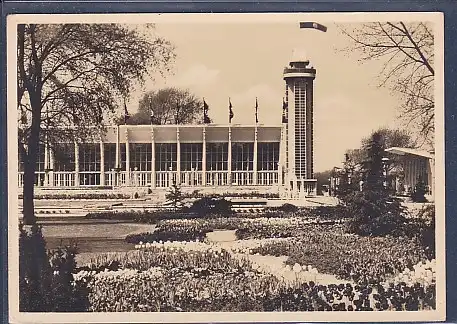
{"x": 299, "y": 77}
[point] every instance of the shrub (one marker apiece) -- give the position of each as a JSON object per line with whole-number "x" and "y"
{"x": 423, "y": 228}
{"x": 174, "y": 194}
{"x": 211, "y": 206}
{"x": 149, "y": 191}
{"x": 288, "y": 208}
{"x": 418, "y": 194}
{"x": 136, "y": 195}
{"x": 45, "y": 277}
{"x": 374, "y": 212}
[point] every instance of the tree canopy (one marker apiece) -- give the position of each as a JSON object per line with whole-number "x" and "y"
{"x": 387, "y": 138}
{"x": 73, "y": 77}
{"x": 407, "y": 50}
{"x": 169, "y": 106}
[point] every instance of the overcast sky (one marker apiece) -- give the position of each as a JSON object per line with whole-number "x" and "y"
{"x": 245, "y": 60}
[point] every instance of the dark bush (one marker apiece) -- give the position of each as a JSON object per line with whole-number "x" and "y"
{"x": 423, "y": 228}
{"x": 418, "y": 194}
{"x": 45, "y": 277}
{"x": 288, "y": 208}
{"x": 211, "y": 206}
{"x": 375, "y": 213}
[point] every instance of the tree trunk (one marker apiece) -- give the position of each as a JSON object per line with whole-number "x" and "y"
{"x": 30, "y": 163}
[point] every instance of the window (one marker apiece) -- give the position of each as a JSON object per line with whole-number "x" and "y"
{"x": 242, "y": 156}
{"x": 109, "y": 156}
{"x": 216, "y": 156}
{"x": 191, "y": 156}
{"x": 64, "y": 157}
{"x": 300, "y": 129}
{"x": 140, "y": 157}
{"x": 268, "y": 156}
{"x": 165, "y": 156}
{"x": 123, "y": 156}
{"x": 89, "y": 157}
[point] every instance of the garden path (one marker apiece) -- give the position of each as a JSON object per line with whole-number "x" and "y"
{"x": 275, "y": 265}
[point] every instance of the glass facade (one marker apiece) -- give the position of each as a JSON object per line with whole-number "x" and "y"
{"x": 40, "y": 160}
{"x": 268, "y": 156}
{"x": 165, "y": 156}
{"x": 216, "y": 156}
{"x": 109, "y": 156}
{"x": 89, "y": 158}
{"x": 89, "y": 164}
{"x": 140, "y": 157}
{"x": 64, "y": 158}
{"x": 242, "y": 156}
{"x": 191, "y": 156}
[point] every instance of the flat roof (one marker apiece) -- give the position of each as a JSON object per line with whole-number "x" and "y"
{"x": 410, "y": 151}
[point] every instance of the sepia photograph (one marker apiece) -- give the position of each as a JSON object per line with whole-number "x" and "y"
{"x": 226, "y": 167}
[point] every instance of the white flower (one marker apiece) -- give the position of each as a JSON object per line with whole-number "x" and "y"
{"x": 297, "y": 268}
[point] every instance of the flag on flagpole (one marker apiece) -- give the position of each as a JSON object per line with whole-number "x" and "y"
{"x": 126, "y": 113}
{"x": 206, "y": 119}
{"x": 256, "y": 111}
{"x": 284, "y": 111}
{"x": 313, "y": 25}
{"x": 231, "y": 114}
{"x": 152, "y": 117}
{"x": 177, "y": 112}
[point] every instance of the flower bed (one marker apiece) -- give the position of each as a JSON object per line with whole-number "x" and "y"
{"x": 198, "y": 277}
{"x": 246, "y": 228}
{"x": 362, "y": 259}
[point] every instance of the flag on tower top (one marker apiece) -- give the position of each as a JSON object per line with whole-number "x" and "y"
{"x": 256, "y": 111}
{"x": 231, "y": 114}
{"x": 313, "y": 25}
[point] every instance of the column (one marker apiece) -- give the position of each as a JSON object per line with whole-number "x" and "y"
{"x": 46, "y": 164}
{"x": 127, "y": 157}
{"x": 77, "y": 183}
{"x": 118, "y": 148}
{"x": 102, "y": 163}
{"x": 254, "y": 178}
{"x": 51, "y": 167}
{"x": 178, "y": 158}
{"x": 204, "y": 157}
{"x": 153, "y": 157}
{"x": 229, "y": 157}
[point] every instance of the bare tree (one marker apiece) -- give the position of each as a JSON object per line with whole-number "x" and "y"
{"x": 407, "y": 50}
{"x": 168, "y": 106}
{"x": 70, "y": 79}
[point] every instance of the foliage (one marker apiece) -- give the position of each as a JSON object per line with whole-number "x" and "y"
{"x": 174, "y": 194}
{"x": 418, "y": 194}
{"x": 362, "y": 259}
{"x": 407, "y": 49}
{"x": 423, "y": 227}
{"x": 374, "y": 213}
{"x": 322, "y": 179}
{"x": 198, "y": 277}
{"x": 169, "y": 106}
{"x": 70, "y": 78}
{"x": 288, "y": 208}
{"x": 211, "y": 206}
{"x": 46, "y": 277}
{"x": 373, "y": 210}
